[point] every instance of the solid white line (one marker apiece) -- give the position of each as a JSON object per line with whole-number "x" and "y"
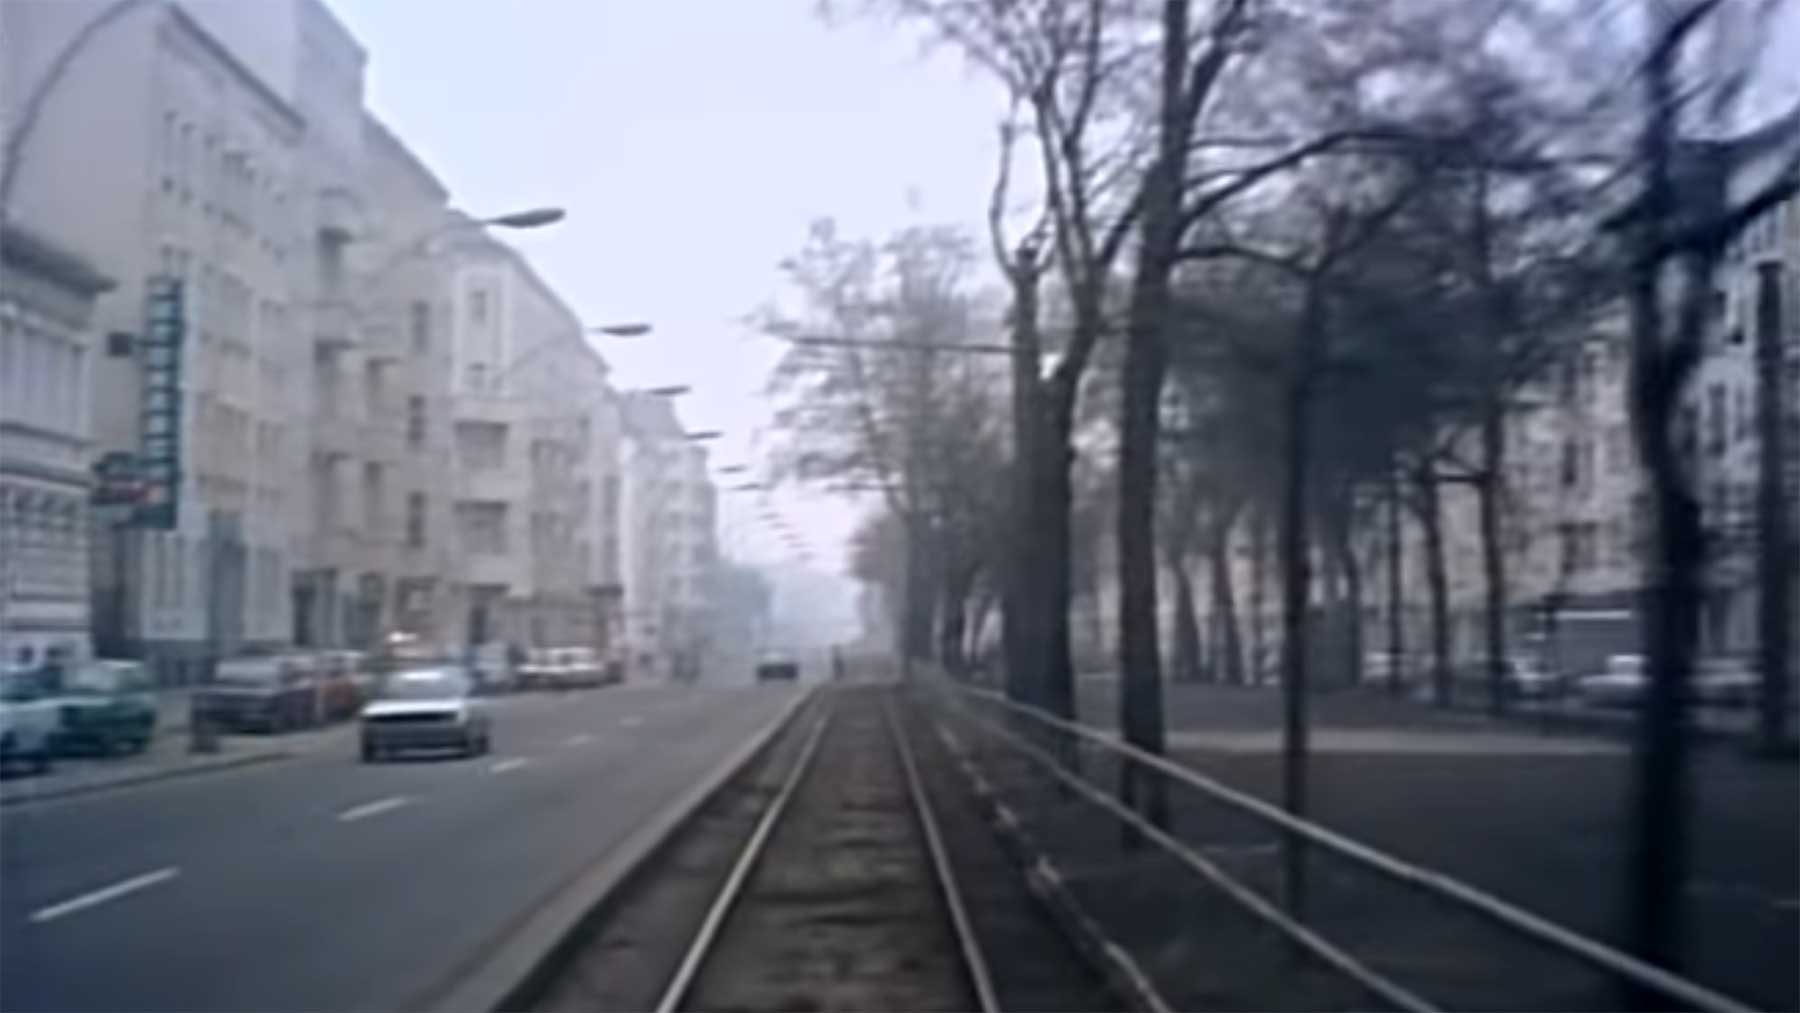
{"x": 101, "y": 896}
{"x": 579, "y": 739}
{"x": 505, "y": 765}
{"x": 375, "y": 808}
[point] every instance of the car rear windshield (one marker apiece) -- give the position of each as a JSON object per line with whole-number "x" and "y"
{"x": 426, "y": 686}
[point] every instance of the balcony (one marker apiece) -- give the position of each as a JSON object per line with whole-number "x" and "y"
{"x": 340, "y": 214}
{"x": 491, "y": 485}
{"x": 335, "y": 435}
{"x": 334, "y": 324}
{"x": 383, "y": 441}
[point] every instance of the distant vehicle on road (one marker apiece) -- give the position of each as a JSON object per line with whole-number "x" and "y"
{"x": 273, "y": 694}
{"x": 1620, "y": 685}
{"x": 492, "y": 668}
{"x": 778, "y": 671}
{"x": 28, "y": 720}
{"x": 1724, "y": 682}
{"x": 343, "y": 682}
{"x": 105, "y": 707}
{"x": 1380, "y": 667}
{"x": 429, "y": 708}
{"x": 1521, "y": 678}
{"x": 577, "y": 668}
{"x": 541, "y": 669}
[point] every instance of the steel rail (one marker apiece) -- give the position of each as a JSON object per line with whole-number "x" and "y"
{"x": 1595, "y": 953}
{"x": 974, "y": 961}
{"x": 695, "y": 957}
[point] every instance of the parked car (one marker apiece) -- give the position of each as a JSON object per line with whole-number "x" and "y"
{"x": 28, "y": 720}
{"x": 1620, "y": 685}
{"x": 541, "y": 669}
{"x": 429, "y": 708}
{"x": 1724, "y": 682}
{"x": 1380, "y": 668}
{"x": 779, "y": 670}
{"x": 578, "y": 667}
{"x": 104, "y": 707}
{"x": 343, "y": 682}
{"x": 273, "y": 694}
{"x": 1521, "y": 678}
{"x": 492, "y": 668}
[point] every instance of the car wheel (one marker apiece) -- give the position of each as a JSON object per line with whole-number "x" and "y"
{"x": 41, "y": 763}
{"x": 370, "y": 754}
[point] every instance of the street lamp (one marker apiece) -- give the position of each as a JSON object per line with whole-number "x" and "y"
{"x": 532, "y": 218}
{"x": 635, "y": 329}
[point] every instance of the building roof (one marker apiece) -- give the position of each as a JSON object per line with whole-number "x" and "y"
{"x": 379, "y": 133}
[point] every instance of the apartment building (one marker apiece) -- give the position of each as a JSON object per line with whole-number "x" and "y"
{"x": 659, "y": 465}
{"x": 167, "y": 163}
{"x": 1720, "y": 419}
{"x": 530, "y": 432}
{"x": 47, "y": 349}
{"x": 404, "y": 317}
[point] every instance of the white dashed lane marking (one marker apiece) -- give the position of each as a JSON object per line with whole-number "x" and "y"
{"x": 505, "y": 765}
{"x": 579, "y": 739}
{"x": 104, "y": 894}
{"x": 630, "y": 722}
{"x": 375, "y": 808}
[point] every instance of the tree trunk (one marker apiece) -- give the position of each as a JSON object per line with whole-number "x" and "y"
{"x": 1437, "y": 581}
{"x": 1229, "y": 643}
{"x": 1659, "y": 370}
{"x": 1187, "y": 628}
{"x": 1396, "y": 629}
{"x": 1353, "y": 605}
{"x": 1055, "y": 501}
{"x": 1774, "y": 551}
{"x": 1259, "y": 552}
{"x": 1493, "y": 558}
{"x": 1024, "y": 603}
{"x": 1296, "y": 581}
{"x": 953, "y": 620}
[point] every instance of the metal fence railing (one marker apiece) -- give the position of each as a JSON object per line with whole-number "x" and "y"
{"x": 1207, "y": 905}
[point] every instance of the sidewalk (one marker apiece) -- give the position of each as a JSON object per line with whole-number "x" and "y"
{"x": 167, "y": 757}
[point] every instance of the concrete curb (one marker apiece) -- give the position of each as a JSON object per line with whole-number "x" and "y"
{"x": 143, "y": 777}
{"x": 505, "y": 973}
{"x": 1121, "y": 972}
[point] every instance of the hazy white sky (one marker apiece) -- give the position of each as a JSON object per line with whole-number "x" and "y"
{"x": 692, "y": 141}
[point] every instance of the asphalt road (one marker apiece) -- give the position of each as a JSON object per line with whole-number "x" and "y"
{"x": 320, "y": 883}
{"x": 1540, "y": 819}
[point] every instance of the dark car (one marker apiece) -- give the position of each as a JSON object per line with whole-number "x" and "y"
{"x": 274, "y": 694}
{"x": 105, "y": 707}
{"x": 777, "y": 671}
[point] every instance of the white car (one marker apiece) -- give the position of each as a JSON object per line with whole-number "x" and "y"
{"x": 426, "y": 708}
{"x": 29, "y": 719}
{"x": 1620, "y": 685}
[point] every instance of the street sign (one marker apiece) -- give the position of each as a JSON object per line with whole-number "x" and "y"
{"x": 117, "y": 480}
{"x": 159, "y": 457}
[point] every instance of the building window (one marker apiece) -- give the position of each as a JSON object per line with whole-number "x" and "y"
{"x": 481, "y": 527}
{"x": 415, "y": 520}
{"x": 478, "y": 306}
{"x": 421, "y": 326}
{"x": 481, "y": 445}
{"x": 415, "y": 421}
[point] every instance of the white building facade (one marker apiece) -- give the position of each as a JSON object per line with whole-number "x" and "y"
{"x": 47, "y": 348}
